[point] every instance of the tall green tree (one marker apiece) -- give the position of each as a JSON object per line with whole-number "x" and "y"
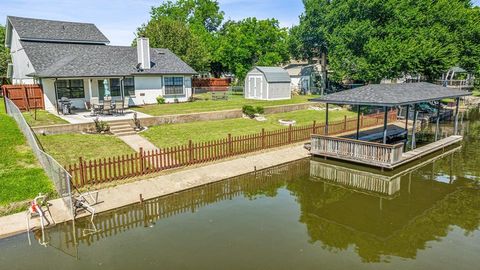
{"x": 251, "y": 42}
{"x": 375, "y": 39}
{"x": 164, "y": 32}
{"x": 193, "y": 22}
{"x": 4, "y": 53}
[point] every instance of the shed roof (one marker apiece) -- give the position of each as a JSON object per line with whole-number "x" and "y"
{"x": 55, "y": 60}
{"x": 392, "y": 94}
{"x": 56, "y": 31}
{"x": 275, "y": 74}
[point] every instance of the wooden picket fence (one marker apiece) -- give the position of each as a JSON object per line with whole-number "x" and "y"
{"x": 105, "y": 170}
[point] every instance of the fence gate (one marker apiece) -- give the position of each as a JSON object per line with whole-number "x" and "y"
{"x": 25, "y": 96}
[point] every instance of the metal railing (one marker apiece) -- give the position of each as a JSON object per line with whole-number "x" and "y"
{"x": 60, "y": 177}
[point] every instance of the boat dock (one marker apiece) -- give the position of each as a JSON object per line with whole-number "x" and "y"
{"x": 374, "y": 154}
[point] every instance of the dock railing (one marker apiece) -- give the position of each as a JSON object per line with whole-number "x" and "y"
{"x": 383, "y": 155}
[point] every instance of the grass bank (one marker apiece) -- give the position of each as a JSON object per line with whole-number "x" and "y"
{"x": 177, "y": 134}
{"x": 42, "y": 118}
{"x": 67, "y": 148}
{"x": 21, "y": 176}
{"x": 204, "y": 104}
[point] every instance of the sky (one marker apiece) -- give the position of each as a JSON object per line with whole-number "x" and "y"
{"x": 118, "y": 19}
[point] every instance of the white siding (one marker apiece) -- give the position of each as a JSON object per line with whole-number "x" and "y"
{"x": 279, "y": 91}
{"x": 21, "y": 64}
{"x": 148, "y": 88}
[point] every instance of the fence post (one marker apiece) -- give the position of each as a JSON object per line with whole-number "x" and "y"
{"x": 314, "y": 127}
{"x": 230, "y": 146}
{"x": 190, "y": 151}
{"x": 82, "y": 174}
{"x": 345, "y": 123}
{"x": 142, "y": 167}
{"x": 263, "y": 138}
{"x": 290, "y": 133}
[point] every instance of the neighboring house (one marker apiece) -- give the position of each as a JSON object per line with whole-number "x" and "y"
{"x": 294, "y": 69}
{"x": 267, "y": 83}
{"x": 73, "y": 60}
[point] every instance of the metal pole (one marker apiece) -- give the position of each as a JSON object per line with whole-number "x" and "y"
{"x": 385, "y": 120}
{"x": 56, "y": 95}
{"x": 406, "y": 128}
{"x": 437, "y": 127}
{"x": 455, "y": 130}
{"x": 326, "y": 120}
{"x": 358, "y": 122}
{"x": 414, "y": 125}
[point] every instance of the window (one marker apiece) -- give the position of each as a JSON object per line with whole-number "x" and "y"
{"x": 109, "y": 87}
{"x": 129, "y": 86}
{"x": 70, "y": 89}
{"x": 115, "y": 87}
{"x": 173, "y": 86}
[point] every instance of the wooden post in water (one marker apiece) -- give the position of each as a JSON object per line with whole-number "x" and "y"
{"x": 326, "y": 120}
{"x": 385, "y": 121}
{"x": 414, "y": 125}
{"x": 437, "y": 127}
{"x": 406, "y": 128}
{"x": 455, "y": 130}
{"x": 358, "y": 122}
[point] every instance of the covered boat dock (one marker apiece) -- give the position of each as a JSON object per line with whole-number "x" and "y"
{"x": 386, "y": 96}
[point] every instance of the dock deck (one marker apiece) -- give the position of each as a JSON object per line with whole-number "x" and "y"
{"x": 374, "y": 154}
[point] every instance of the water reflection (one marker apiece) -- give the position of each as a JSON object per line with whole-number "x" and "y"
{"x": 337, "y": 207}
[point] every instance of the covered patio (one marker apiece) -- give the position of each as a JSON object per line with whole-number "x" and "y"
{"x": 386, "y": 96}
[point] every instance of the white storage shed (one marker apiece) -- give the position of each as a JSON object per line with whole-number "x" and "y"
{"x": 267, "y": 83}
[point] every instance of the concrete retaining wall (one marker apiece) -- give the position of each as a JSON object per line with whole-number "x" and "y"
{"x": 174, "y": 119}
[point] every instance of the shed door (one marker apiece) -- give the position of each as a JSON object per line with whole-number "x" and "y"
{"x": 258, "y": 87}
{"x": 251, "y": 87}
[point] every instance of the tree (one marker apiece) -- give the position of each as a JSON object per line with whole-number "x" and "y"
{"x": 164, "y": 32}
{"x": 371, "y": 40}
{"x": 251, "y": 42}
{"x": 4, "y": 54}
{"x": 196, "y": 22}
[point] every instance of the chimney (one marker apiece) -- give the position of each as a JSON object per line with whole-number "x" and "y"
{"x": 143, "y": 53}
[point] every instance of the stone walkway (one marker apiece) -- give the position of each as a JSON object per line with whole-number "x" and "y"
{"x": 129, "y": 193}
{"x": 136, "y": 141}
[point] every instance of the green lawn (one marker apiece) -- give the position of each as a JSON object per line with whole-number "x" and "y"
{"x": 43, "y": 118}
{"x": 21, "y": 177}
{"x": 203, "y": 104}
{"x": 176, "y": 134}
{"x": 67, "y": 148}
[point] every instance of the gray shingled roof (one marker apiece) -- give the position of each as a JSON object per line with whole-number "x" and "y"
{"x": 275, "y": 74}
{"x": 56, "y": 60}
{"x": 392, "y": 94}
{"x": 60, "y": 31}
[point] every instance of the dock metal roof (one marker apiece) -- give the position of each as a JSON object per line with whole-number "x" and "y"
{"x": 392, "y": 94}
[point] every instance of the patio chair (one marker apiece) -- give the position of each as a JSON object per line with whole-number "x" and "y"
{"x": 95, "y": 107}
{"x": 121, "y": 106}
{"x": 107, "y": 106}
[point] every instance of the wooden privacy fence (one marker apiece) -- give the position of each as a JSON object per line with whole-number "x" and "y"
{"x": 212, "y": 84}
{"x": 25, "y": 96}
{"x": 104, "y": 170}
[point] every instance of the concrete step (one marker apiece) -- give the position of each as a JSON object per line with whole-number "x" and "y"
{"x": 124, "y": 133}
{"x": 118, "y": 130}
{"x": 119, "y": 123}
{"x": 121, "y": 126}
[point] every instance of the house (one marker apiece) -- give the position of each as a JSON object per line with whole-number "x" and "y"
{"x": 267, "y": 83}
{"x": 74, "y": 60}
{"x": 294, "y": 69}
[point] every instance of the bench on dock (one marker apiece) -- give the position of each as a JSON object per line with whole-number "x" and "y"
{"x": 223, "y": 95}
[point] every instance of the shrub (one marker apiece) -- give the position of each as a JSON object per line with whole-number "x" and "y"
{"x": 101, "y": 126}
{"x": 249, "y": 110}
{"x": 175, "y": 100}
{"x": 260, "y": 110}
{"x": 160, "y": 100}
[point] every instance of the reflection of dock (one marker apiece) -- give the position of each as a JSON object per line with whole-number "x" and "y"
{"x": 370, "y": 181}
{"x": 352, "y": 178}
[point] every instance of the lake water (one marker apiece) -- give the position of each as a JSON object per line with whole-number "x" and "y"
{"x": 308, "y": 214}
